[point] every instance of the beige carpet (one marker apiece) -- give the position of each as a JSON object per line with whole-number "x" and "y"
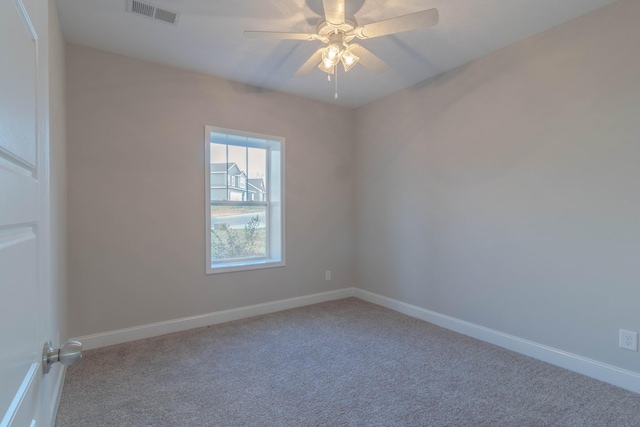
{"x": 342, "y": 363}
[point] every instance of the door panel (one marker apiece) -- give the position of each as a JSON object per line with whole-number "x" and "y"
{"x": 17, "y": 86}
{"x": 17, "y": 186}
{"x": 16, "y": 245}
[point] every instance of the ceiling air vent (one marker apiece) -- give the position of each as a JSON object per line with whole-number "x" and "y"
{"x": 150, "y": 11}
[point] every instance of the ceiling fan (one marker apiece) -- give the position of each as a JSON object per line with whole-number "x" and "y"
{"x": 337, "y": 31}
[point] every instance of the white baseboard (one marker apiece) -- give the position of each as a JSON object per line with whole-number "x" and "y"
{"x": 119, "y": 336}
{"x": 601, "y": 371}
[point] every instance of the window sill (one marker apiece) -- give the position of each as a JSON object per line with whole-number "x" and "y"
{"x": 244, "y": 266}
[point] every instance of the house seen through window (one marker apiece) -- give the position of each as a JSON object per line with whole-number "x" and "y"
{"x": 244, "y": 200}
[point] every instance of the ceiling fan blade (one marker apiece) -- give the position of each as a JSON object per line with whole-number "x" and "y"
{"x": 277, "y": 35}
{"x": 368, "y": 59}
{"x": 334, "y": 12}
{"x": 400, "y": 24}
{"x": 310, "y": 64}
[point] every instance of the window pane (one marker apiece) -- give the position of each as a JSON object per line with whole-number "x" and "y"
{"x": 219, "y": 177}
{"x": 238, "y": 232}
{"x": 238, "y": 155}
{"x": 218, "y": 153}
{"x": 257, "y": 173}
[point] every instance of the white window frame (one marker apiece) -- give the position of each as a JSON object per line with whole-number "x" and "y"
{"x": 275, "y": 201}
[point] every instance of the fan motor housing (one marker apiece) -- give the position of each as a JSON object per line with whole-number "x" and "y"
{"x": 327, "y": 32}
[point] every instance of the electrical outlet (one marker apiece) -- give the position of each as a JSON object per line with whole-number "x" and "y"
{"x": 629, "y": 340}
{"x": 327, "y": 275}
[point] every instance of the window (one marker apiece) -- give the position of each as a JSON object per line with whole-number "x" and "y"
{"x": 243, "y": 231}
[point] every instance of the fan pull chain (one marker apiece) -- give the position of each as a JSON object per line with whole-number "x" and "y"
{"x": 335, "y": 96}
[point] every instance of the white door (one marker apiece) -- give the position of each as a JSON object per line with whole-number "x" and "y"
{"x": 24, "y": 294}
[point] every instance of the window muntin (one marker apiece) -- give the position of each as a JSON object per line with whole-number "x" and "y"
{"x": 245, "y": 198}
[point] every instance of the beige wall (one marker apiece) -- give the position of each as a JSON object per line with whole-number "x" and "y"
{"x": 136, "y": 192}
{"x": 506, "y": 192}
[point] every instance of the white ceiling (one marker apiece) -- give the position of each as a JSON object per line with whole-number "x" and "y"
{"x": 208, "y": 38}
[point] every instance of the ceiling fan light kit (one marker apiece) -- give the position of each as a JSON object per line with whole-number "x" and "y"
{"x": 336, "y": 53}
{"x": 336, "y": 31}
{"x": 348, "y": 59}
{"x": 331, "y": 55}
